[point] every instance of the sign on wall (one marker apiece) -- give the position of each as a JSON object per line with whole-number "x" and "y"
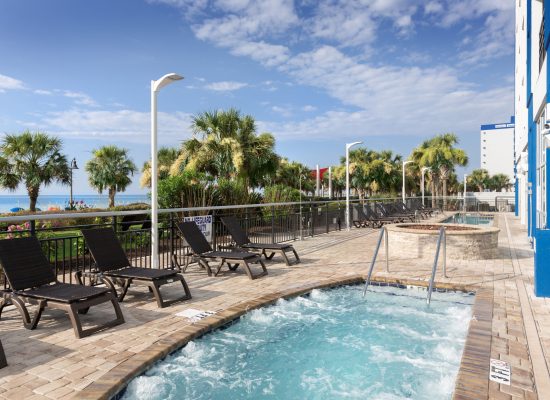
{"x": 204, "y": 222}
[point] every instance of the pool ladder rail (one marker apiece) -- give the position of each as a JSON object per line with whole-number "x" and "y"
{"x": 441, "y": 239}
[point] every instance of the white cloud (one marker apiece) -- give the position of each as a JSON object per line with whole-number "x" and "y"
{"x": 433, "y": 7}
{"x": 9, "y": 83}
{"x": 80, "y": 98}
{"x": 42, "y": 92}
{"x": 126, "y": 125}
{"x": 309, "y": 108}
{"x": 225, "y": 86}
{"x": 284, "y": 111}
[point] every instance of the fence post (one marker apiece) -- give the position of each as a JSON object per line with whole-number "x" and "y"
{"x": 326, "y": 217}
{"x": 214, "y": 235}
{"x": 114, "y": 223}
{"x": 33, "y": 227}
{"x": 311, "y": 219}
{"x": 172, "y": 253}
{"x": 272, "y": 224}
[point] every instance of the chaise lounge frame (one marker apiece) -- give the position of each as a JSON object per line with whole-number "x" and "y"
{"x": 113, "y": 266}
{"x": 32, "y": 280}
{"x": 202, "y": 249}
{"x": 242, "y": 241}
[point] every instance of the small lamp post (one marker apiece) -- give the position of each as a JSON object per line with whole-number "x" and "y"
{"x": 155, "y": 88}
{"x": 424, "y": 169}
{"x": 348, "y": 146}
{"x": 72, "y": 167}
{"x": 403, "y": 188}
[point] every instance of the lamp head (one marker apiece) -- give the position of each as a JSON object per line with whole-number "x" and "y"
{"x": 165, "y": 80}
{"x": 350, "y": 145}
{"x": 73, "y": 164}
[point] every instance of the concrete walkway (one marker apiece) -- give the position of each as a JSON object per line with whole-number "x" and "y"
{"x": 50, "y": 363}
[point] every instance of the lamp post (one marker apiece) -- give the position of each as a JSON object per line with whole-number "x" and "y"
{"x": 348, "y": 146}
{"x": 403, "y": 188}
{"x": 72, "y": 167}
{"x": 155, "y": 88}
{"x": 424, "y": 169}
{"x": 465, "y": 178}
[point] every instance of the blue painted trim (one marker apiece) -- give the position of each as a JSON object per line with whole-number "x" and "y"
{"x": 546, "y": 5}
{"x": 530, "y": 139}
{"x": 542, "y": 266}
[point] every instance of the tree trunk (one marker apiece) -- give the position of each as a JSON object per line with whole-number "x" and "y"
{"x": 33, "y": 196}
{"x": 444, "y": 184}
{"x": 112, "y": 193}
{"x": 432, "y": 189}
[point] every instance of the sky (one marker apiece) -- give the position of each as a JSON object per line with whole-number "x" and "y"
{"x": 315, "y": 74}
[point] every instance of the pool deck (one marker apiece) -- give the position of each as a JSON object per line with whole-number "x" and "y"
{"x": 510, "y": 323}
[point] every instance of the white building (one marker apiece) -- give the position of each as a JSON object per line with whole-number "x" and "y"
{"x": 532, "y": 137}
{"x": 497, "y": 148}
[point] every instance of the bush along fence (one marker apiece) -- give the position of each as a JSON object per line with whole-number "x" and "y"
{"x": 64, "y": 245}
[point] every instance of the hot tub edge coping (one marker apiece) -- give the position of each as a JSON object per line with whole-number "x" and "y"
{"x": 115, "y": 381}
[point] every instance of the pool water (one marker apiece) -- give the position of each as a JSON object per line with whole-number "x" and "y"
{"x": 331, "y": 344}
{"x": 469, "y": 219}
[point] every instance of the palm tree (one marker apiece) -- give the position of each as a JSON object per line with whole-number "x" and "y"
{"x": 34, "y": 159}
{"x": 440, "y": 155}
{"x": 226, "y": 146}
{"x": 478, "y": 178}
{"x": 166, "y": 157}
{"x": 498, "y": 182}
{"x": 110, "y": 168}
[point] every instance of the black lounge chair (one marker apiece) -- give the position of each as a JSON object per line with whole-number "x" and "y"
{"x": 32, "y": 279}
{"x": 375, "y": 220}
{"x": 112, "y": 264}
{"x": 359, "y": 219}
{"x": 3, "y": 362}
{"x": 383, "y": 212}
{"x": 243, "y": 242}
{"x": 202, "y": 249}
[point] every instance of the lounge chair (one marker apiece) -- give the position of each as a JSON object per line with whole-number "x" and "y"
{"x": 112, "y": 264}
{"x": 384, "y": 212}
{"x": 243, "y": 242}
{"x": 359, "y": 219}
{"x": 202, "y": 249}
{"x": 375, "y": 220}
{"x": 32, "y": 279}
{"x": 3, "y": 362}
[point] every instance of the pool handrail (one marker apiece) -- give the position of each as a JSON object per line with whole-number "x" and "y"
{"x": 384, "y": 235}
{"x": 442, "y": 238}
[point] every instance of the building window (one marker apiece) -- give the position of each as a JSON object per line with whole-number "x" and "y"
{"x": 541, "y": 174}
{"x": 542, "y": 52}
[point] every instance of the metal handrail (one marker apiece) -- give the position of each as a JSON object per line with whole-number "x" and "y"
{"x": 442, "y": 238}
{"x": 383, "y": 234}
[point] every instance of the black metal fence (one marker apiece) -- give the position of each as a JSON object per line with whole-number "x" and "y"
{"x": 65, "y": 247}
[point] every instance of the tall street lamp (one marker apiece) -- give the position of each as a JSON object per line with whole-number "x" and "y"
{"x": 424, "y": 169}
{"x": 465, "y": 178}
{"x": 72, "y": 167}
{"x": 348, "y": 146}
{"x": 403, "y": 188}
{"x": 155, "y": 88}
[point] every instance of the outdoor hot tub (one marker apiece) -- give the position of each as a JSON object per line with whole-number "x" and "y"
{"x": 464, "y": 242}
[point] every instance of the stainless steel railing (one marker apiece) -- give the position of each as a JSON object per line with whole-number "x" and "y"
{"x": 383, "y": 235}
{"x": 442, "y": 238}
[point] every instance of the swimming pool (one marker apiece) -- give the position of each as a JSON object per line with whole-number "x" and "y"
{"x": 331, "y": 344}
{"x": 469, "y": 219}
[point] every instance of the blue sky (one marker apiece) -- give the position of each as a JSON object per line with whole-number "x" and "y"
{"x": 316, "y": 74}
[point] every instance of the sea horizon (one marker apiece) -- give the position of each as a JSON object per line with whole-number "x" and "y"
{"x": 45, "y": 201}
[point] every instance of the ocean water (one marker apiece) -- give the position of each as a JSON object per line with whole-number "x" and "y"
{"x": 332, "y": 344}
{"x": 45, "y": 201}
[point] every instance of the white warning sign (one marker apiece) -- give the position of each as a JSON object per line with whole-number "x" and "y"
{"x": 500, "y": 372}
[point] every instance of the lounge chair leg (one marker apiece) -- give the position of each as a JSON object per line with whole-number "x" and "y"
{"x": 296, "y": 255}
{"x": 28, "y": 322}
{"x": 205, "y": 264}
{"x": 3, "y": 362}
{"x": 247, "y": 270}
{"x": 125, "y": 286}
{"x": 220, "y": 267}
{"x": 74, "y": 311}
{"x": 154, "y": 288}
{"x": 283, "y": 253}
{"x": 268, "y": 257}
{"x": 84, "y": 311}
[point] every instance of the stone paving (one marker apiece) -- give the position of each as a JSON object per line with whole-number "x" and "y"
{"x": 49, "y": 363}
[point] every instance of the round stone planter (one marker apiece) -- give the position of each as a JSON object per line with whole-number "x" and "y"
{"x": 464, "y": 242}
